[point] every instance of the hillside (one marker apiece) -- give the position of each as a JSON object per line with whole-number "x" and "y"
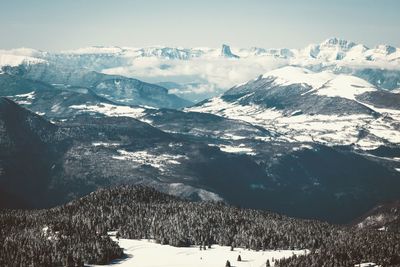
{"x": 143, "y": 213}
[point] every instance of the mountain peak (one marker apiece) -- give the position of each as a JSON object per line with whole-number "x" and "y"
{"x": 386, "y": 49}
{"x": 226, "y": 52}
{"x": 337, "y": 42}
{"x": 292, "y": 75}
{"x": 95, "y": 50}
{"x": 322, "y": 83}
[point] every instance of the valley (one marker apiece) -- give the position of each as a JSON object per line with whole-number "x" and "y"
{"x": 269, "y": 152}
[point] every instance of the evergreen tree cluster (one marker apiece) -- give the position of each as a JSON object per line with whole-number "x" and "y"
{"x": 41, "y": 238}
{"x": 76, "y": 233}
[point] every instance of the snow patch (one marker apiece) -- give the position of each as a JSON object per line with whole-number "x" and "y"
{"x": 147, "y": 253}
{"x": 105, "y": 144}
{"x": 233, "y": 137}
{"x": 302, "y": 147}
{"x": 367, "y": 264}
{"x": 112, "y": 110}
{"x": 241, "y": 149}
{"x": 143, "y": 157}
{"x": 24, "y": 99}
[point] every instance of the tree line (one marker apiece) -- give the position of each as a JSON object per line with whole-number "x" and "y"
{"x": 76, "y": 233}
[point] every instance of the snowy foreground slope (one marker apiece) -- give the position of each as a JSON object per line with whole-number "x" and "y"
{"x": 145, "y": 253}
{"x": 79, "y": 233}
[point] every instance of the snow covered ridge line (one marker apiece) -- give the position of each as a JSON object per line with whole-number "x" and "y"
{"x": 335, "y": 126}
{"x": 7, "y": 59}
{"x": 324, "y": 83}
{"x": 141, "y": 253}
{"x": 332, "y": 49}
{"x": 200, "y": 73}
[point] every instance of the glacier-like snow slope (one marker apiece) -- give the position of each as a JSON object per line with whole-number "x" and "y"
{"x": 300, "y": 105}
{"x": 15, "y": 57}
{"x": 201, "y": 72}
{"x": 146, "y": 253}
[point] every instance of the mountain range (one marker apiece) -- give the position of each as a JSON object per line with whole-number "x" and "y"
{"x": 200, "y": 73}
{"x": 97, "y": 57}
{"x": 313, "y": 141}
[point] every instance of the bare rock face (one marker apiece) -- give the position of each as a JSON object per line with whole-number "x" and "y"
{"x": 226, "y": 52}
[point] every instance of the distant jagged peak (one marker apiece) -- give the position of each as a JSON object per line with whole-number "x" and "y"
{"x": 339, "y": 43}
{"x": 98, "y": 49}
{"x": 226, "y": 52}
{"x": 23, "y": 51}
{"x": 385, "y": 49}
{"x": 257, "y": 50}
{"x": 9, "y": 59}
{"x": 171, "y": 52}
{"x": 331, "y": 49}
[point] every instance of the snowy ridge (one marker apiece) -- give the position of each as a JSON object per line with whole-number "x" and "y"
{"x": 333, "y": 129}
{"x": 95, "y": 50}
{"x": 323, "y": 83}
{"x": 15, "y": 60}
{"x": 204, "y": 72}
{"x": 292, "y": 75}
{"x": 332, "y": 49}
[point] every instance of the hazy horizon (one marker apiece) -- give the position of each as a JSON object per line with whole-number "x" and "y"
{"x": 65, "y": 25}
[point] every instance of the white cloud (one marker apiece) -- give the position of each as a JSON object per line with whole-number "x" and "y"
{"x": 205, "y": 75}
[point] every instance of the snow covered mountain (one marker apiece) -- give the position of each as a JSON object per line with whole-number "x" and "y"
{"x": 334, "y": 49}
{"x": 15, "y": 57}
{"x": 226, "y": 52}
{"x": 115, "y": 88}
{"x": 331, "y": 49}
{"x": 300, "y": 105}
{"x": 284, "y": 141}
{"x": 204, "y": 72}
{"x": 94, "y": 143}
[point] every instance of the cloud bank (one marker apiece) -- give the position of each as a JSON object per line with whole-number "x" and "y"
{"x": 198, "y": 77}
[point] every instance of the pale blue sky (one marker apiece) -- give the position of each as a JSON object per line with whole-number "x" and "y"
{"x": 68, "y": 24}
